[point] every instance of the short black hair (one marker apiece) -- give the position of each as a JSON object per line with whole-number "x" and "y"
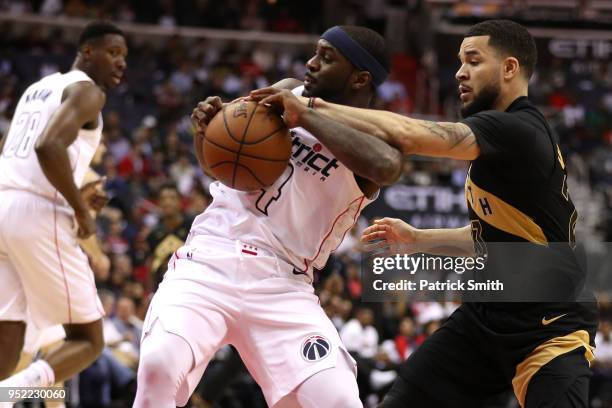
{"x": 510, "y": 38}
{"x": 371, "y": 41}
{"x": 168, "y": 185}
{"x": 98, "y": 29}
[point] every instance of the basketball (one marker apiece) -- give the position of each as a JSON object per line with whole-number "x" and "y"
{"x": 247, "y": 146}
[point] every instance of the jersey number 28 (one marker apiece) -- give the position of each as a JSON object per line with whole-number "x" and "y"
{"x": 23, "y": 136}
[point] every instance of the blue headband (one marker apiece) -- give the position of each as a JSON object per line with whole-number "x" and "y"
{"x": 355, "y": 53}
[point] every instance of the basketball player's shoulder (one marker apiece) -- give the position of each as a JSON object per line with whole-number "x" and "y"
{"x": 85, "y": 92}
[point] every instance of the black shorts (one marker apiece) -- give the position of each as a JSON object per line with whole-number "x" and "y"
{"x": 481, "y": 356}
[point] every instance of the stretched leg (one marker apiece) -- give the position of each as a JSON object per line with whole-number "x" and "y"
{"x": 187, "y": 322}
{"x": 84, "y": 343}
{"x": 165, "y": 361}
{"x": 562, "y": 383}
{"x": 12, "y": 316}
{"x": 334, "y": 387}
{"x": 11, "y": 342}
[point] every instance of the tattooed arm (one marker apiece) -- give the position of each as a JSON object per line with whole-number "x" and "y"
{"x": 410, "y": 136}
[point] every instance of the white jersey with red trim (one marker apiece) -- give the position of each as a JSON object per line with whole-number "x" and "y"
{"x": 301, "y": 218}
{"x": 19, "y": 166}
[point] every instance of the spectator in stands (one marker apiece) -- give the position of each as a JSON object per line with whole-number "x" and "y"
{"x": 361, "y": 340}
{"x": 405, "y": 339}
{"x": 126, "y": 322}
{"x": 170, "y": 233}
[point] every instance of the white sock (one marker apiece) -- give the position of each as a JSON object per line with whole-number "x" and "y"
{"x": 37, "y": 374}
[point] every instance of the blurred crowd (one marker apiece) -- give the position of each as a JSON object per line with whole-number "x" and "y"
{"x": 287, "y": 16}
{"x": 157, "y": 188}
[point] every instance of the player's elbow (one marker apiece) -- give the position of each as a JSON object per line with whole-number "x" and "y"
{"x": 47, "y": 149}
{"x": 389, "y": 168}
{"x": 44, "y": 149}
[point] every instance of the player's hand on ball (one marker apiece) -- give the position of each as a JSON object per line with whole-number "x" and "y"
{"x": 392, "y": 230}
{"x": 204, "y": 112}
{"x": 289, "y": 106}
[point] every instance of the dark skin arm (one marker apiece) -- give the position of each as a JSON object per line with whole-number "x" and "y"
{"x": 82, "y": 103}
{"x": 368, "y": 157}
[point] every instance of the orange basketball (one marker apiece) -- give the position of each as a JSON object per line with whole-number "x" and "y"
{"x": 247, "y": 146}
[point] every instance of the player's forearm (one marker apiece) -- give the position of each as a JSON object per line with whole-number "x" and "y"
{"x": 381, "y": 124}
{"x": 54, "y": 161}
{"x": 446, "y": 241}
{"x": 363, "y": 154}
{"x": 410, "y": 136}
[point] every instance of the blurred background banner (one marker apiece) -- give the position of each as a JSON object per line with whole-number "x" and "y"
{"x": 422, "y": 206}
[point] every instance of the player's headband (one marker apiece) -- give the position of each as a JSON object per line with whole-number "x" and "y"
{"x": 355, "y": 53}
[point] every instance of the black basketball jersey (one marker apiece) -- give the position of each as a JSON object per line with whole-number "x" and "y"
{"x": 521, "y": 213}
{"x": 517, "y": 188}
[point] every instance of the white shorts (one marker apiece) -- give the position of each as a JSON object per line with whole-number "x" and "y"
{"x": 43, "y": 270}
{"x": 215, "y": 293}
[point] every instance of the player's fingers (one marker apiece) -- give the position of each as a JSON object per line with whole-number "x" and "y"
{"x": 217, "y": 103}
{"x": 383, "y": 221}
{"x": 373, "y": 235}
{"x": 214, "y": 101}
{"x": 369, "y": 229}
{"x": 271, "y": 100}
{"x": 199, "y": 114}
{"x": 378, "y": 227}
{"x": 197, "y": 123}
{"x": 373, "y": 228}
{"x": 263, "y": 91}
{"x": 211, "y": 110}
{"x": 208, "y": 107}
{"x": 376, "y": 246}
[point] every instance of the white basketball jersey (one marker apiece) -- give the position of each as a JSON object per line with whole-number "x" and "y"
{"x": 302, "y": 217}
{"x": 19, "y": 166}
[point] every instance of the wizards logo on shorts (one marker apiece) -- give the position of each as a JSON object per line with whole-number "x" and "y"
{"x": 315, "y": 348}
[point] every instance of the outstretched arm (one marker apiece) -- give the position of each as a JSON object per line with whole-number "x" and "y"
{"x": 404, "y": 238}
{"x": 410, "y": 136}
{"x": 368, "y": 157}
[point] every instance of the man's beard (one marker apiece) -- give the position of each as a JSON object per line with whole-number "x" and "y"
{"x": 485, "y": 100}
